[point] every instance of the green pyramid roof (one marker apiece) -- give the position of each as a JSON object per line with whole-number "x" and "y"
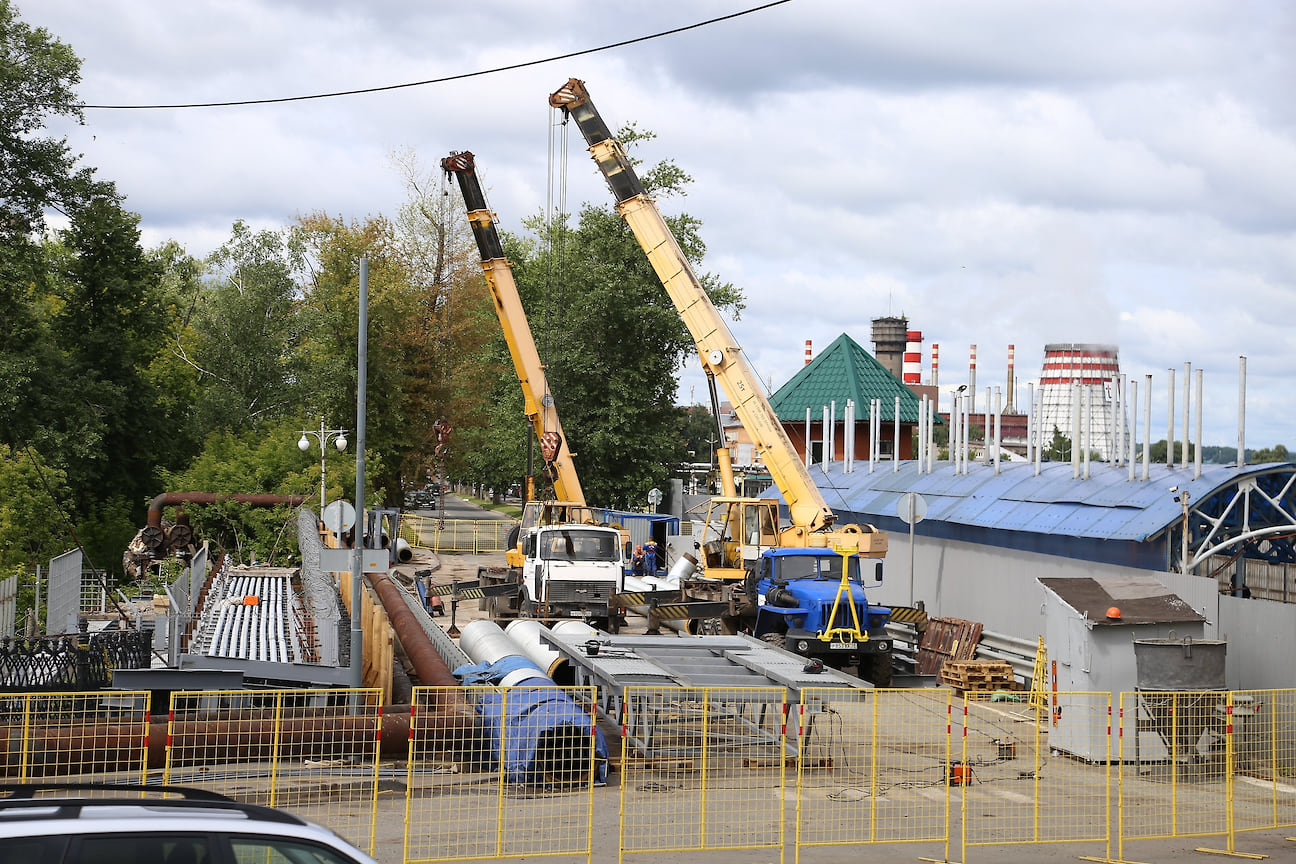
{"x": 844, "y": 371}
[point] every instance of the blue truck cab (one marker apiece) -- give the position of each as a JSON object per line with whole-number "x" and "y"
{"x": 803, "y": 606}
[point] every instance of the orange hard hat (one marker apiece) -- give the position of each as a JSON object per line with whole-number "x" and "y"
{"x": 638, "y": 548}
{"x": 1114, "y": 612}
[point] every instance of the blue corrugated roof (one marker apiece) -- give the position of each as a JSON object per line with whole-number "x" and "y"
{"x": 1106, "y": 506}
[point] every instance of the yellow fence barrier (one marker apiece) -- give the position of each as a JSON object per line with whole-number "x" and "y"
{"x": 871, "y": 767}
{"x": 314, "y": 752}
{"x": 1028, "y": 777}
{"x": 702, "y": 769}
{"x": 456, "y": 535}
{"x": 1264, "y": 759}
{"x": 1175, "y": 779}
{"x": 490, "y": 776}
{"x": 76, "y": 737}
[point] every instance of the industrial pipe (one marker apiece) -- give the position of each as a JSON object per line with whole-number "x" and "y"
{"x": 428, "y": 665}
{"x": 167, "y": 499}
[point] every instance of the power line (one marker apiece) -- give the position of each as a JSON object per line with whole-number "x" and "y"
{"x": 447, "y": 78}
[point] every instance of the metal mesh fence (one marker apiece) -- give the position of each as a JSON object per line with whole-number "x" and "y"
{"x": 76, "y": 737}
{"x": 314, "y": 752}
{"x": 1264, "y": 759}
{"x": 489, "y": 765}
{"x": 1175, "y": 779}
{"x": 871, "y": 766}
{"x": 702, "y": 769}
{"x": 456, "y": 535}
{"x": 1029, "y": 781}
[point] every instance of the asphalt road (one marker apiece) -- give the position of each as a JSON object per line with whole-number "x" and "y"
{"x": 460, "y": 508}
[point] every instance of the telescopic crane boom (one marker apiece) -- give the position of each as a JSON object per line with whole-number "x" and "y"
{"x": 539, "y": 403}
{"x": 721, "y": 355}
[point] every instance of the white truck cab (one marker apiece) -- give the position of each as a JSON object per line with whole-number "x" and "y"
{"x": 571, "y": 571}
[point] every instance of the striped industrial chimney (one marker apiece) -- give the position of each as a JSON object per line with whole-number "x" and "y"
{"x": 807, "y": 360}
{"x": 913, "y": 357}
{"x": 935, "y": 376}
{"x": 1012, "y": 380}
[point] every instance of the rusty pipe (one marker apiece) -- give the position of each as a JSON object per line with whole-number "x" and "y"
{"x": 432, "y": 671}
{"x": 167, "y": 499}
{"x": 117, "y": 747}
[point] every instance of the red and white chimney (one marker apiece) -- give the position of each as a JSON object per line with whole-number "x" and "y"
{"x": 1012, "y": 380}
{"x": 935, "y": 376}
{"x": 913, "y": 357}
{"x": 807, "y": 360}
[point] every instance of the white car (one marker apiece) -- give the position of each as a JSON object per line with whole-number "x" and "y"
{"x": 86, "y": 823}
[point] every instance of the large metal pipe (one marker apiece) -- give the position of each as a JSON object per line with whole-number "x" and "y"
{"x": 428, "y": 665}
{"x": 167, "y": 499}
{"x": 109, "y": 747}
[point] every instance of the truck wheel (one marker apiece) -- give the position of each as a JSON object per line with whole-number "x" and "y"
{"x": 879, "y": 670}
{"x": 778, "y": 640}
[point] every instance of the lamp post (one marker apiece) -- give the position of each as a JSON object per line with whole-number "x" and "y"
{"x": 337, "y": 436}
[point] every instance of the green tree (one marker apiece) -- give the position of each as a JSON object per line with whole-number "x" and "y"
{"x": 250, "y": 461}
{"x": 1277, "y": 453}
{"x": 38, "y": 76}
{"x": 246, "y": 331}
{"x": 1058, "y": 449}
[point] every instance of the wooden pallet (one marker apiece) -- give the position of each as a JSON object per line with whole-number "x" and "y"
{"x": 946, "y": 639}
{"x": 977, "y": 675}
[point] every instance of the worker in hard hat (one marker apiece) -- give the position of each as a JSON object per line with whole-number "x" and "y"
{"x": 637, "y": 563}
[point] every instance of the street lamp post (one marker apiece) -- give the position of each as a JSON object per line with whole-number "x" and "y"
{"x": 337, "y": 436}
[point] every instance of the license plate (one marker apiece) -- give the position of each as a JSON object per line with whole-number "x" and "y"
{"x": 842, "y": 646}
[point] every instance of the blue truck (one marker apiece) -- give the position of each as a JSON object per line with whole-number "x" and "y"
{"x": 814, "y": 602}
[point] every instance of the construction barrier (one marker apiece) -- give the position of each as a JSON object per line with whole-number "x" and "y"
{"x": 1264, "y": 760}
{"x": 872, "y": 767}
{"x": 501, "y": 772}
{"x": 1175, "y": 765}
{"x": 1028, "y": 777}
{"x": 314, "y": 752}
{"x": 702, "y": 769}
{"x": 456, "y": 535}
{"x": 75, "y": 737}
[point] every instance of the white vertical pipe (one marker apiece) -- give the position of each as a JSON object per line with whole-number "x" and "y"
{"x": 998, "y": 426}
{"x": 1075, "y": 429}
{"x": 932, "y": 413}
{"x": 1147, "y": 426}
{"x": 1037, "y": 428}
{"x": 832, "y": 432}
{"x": 895, "y": 444}
{"x": 825, "y": 458}
{"x": 1133, "y": 436}
{"x": 1170, "y": 430}
{"x": 987, "y": 423}
{"x": 1030, "y": 421}
{"x": 872, "y": 442}
{"x": 1122, "y": 425}
{"x": 1183, "y": 452}
{"x": 967, "y": 423}
{"x": 809, "y": 460}
{"x": 1087, "y": 421}
{"x": 1197, "y": 431}
{"x": 1241, "y": 457}
{"x": 845, "y": 436}
{"x": 922, "y": 439}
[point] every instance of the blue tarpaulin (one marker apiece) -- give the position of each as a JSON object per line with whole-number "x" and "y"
{"x": 545, "y": 735}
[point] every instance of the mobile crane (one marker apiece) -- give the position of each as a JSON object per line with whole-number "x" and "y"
{"x": 794, "y": 577}
{"x": 559, "y": 561}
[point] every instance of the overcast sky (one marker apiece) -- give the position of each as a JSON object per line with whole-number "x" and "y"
{"x": 999, "y": 172}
